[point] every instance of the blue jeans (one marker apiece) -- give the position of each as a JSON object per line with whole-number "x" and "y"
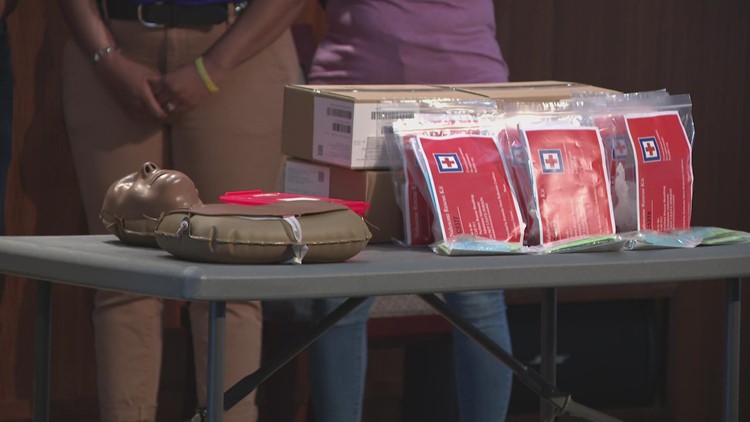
{"x": 6, "y": 118}
{"x": 338, "y": 360}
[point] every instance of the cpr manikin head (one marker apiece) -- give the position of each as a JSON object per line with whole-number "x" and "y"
{"x": 133, "y": 204}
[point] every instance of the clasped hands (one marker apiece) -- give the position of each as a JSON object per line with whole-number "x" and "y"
{"x": 140, "y": 88}
{"x": 178, "y": 91}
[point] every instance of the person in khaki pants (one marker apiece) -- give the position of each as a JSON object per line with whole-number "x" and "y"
{"x": 191, "y": 85}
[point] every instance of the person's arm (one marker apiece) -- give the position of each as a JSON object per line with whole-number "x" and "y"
{"x": 126, "y": 79}
{"x": 255, "y": 29}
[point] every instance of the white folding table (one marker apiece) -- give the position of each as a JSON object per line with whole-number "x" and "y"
{"x": 102, "y": 262}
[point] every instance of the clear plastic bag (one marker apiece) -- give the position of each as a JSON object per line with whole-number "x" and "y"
{"x": 641, "y": 136}
{"x": 557, "y": 164}
{"x": 406, "y": 174}
{"x": 684, "y": 238}
{"x": 457, "y": 165}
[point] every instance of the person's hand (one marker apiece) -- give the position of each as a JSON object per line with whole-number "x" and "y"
{"x": 128, "y": 80}
{"x": 182, "y": 89}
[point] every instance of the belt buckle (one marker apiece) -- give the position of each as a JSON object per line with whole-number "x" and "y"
{"x": 146, "y": 23}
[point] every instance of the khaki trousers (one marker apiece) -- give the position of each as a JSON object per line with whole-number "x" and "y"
{"x": 231, "y": 141}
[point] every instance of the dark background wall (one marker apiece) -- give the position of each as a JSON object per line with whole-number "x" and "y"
{"x": 699, "y": 47}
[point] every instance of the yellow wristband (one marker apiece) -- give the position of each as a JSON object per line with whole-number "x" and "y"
{"x": 212, "y": 88}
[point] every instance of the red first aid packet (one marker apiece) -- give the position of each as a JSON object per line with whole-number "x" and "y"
{"x": 663, "y": 171}
{"x": 470, "y": 188}
{"x": 569, "y": 181}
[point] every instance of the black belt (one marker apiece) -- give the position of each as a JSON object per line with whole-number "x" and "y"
{"x": 167, "y": 14}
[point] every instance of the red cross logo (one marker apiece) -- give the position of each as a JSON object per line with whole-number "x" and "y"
{"x": 650, "y": 149}
{"x": 448, "y": 162}
{"x": 551, "y": 161}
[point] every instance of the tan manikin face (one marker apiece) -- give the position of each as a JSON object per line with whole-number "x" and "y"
{"x": 145, "y": 195}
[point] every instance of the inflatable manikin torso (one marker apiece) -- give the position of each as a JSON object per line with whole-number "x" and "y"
{"x": 133, "y": 204}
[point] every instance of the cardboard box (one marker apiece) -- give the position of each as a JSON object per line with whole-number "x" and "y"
{"x": 339, "y": 124}
{"x": 536, "y": 91}
{"x": 373, "y": 186}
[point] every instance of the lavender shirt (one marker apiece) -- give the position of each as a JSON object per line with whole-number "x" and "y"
{"x": 409, "y": 41}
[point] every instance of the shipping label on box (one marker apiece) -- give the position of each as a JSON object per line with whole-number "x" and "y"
{"x": 345, "y": 134}
{"x": 307, "y": 179}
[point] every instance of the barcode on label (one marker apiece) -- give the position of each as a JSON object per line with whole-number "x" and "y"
{"x": 391, "y": 115}
{"x": 337, "y": 112}
{"x": 338, "y": 127}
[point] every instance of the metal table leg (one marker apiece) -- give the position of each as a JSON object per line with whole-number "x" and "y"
{"x": 732, "y": 352}
{"x": 249, "y": 383}
{"x": 219, "y": 401}
{"x": 561, "y": 402}
{"x": 216, "y": 333}
{"x": 548, "y": 353}
{"x": 42, "y": 340}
